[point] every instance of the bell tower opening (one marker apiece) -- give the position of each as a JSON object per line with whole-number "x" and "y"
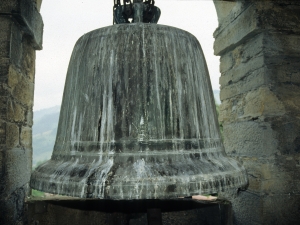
{"x": 163, "y": 90}
{"x": 166, "y": 67}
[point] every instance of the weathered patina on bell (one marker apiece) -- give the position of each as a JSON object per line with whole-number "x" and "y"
{"x": 138, "y": 119}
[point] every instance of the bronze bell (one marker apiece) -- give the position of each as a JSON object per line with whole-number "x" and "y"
{"x": 138, "y": 118}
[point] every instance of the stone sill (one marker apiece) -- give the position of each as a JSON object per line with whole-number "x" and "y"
{"x": 67, "y": 210}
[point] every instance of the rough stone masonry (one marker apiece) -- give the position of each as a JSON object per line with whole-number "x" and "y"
{"x": 259, "y": 45}
{"x": 21, "y": 30}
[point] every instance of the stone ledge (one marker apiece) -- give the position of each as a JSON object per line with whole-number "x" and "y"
{"x": 28, "y": 17}
{"x": 82, "y": 211}
{"x": 256, "y": 18}
{"x": 236, "y": 11}
{"x": 236, "y": 31}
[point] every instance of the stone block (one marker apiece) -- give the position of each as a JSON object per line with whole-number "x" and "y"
{"x": 250, "y": 208}
{"x": 272, "y": 175}
{"x": 239, "y": 72}
{"x": 16, "y": 170}
{"x": 9, "y": 5}
{"x": 28, "y": 60}
{"x": 251, "y": 81}
{"x": 14, "y": 76}
{"x": 227, "y": 62}
{"x": 262, "y": 102}
{"x": 289, "y": 95}
{"x": 258, "y": 104}
{"x": 26, "y": 137}
{"x": 4, "y": 90}
{"x": 3, "y": 107}
{"x": 30, "y": 16}
{"x": 243, "y": 53}
{"x": 2, "y": 135}
{"x": 250, "y": 138}
{"x": 15, "y": 112}
{"x": 16, "y": 46}
{"x": 228, "y": 11}
{"x": 29, "y": 117}
{"x": 262, "y": 175}
{"x": 257, "y": 17}
{"x": 2, "y": 171}
{"x": 247, "y": 208}
{"x": 21, "y": 87}
{"x": 4, "y": 69}
{"x": 285, "y": 71}
{"x": 12, "y": 208}
{"x": 237, "y": 31}
{"x": 278, "y": 185}
{"x": 282, "y": 44}
{"x": 278, "y": 16}
{"x": 12, "y": 135}
{"x": 287, "y": 130}
{"x": 276, "y": 179}
{"x": 10, "y": 41}
{"x": 253, "y": 168}
{"x": 27, "y": 15}
{"x": 281, "y": 209}
{"x": 5, "y": 35}
{"x": 38, "y": 4}
{"x": 16, "y": 49}
{"x": 232, "y": 109}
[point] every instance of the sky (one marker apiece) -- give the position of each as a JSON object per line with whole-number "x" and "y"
{"x": 67, "y": 20}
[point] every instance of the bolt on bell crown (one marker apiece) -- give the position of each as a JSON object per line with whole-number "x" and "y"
{"x": 138, "y": 119}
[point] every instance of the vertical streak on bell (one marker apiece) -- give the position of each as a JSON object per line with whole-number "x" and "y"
{"x": 138, "y": 12}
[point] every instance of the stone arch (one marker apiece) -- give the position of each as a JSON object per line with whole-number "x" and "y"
{"x": 259, "y": 47}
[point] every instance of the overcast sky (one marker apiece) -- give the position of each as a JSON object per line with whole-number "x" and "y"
{"x": 66, "y": 20}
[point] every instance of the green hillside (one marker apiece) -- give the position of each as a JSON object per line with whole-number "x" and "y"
{"x": 44, "y": 133}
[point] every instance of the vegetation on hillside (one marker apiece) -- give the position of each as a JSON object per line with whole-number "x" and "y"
{"x": 44, "y": 133}
{"x": 36, "y": 193}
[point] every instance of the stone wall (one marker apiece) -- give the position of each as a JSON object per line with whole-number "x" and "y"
{"x": 259, "y": 45}
{"x": 20, "y": 35}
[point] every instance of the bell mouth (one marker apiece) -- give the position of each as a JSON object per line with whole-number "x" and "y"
{"x": 148, "y": 175}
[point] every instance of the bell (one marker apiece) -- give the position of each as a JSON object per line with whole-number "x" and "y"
{"x": 138, "y": 118}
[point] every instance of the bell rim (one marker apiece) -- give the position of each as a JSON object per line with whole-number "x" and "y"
{"x": 230, "y": 179}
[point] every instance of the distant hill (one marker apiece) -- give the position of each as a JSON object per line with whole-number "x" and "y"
{"x": 217, "y": 96}
{"x": 44, "y": 133}
{"x": 45, "y": 128}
